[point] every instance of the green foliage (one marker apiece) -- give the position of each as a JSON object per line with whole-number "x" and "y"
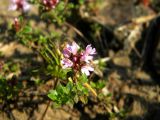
{"x": 62, "y": 94}
{"x": 98, "y": 85}
{"x": 71, "y": 86}
{"x": 8, "y": 89}
{"x": 27, "y": 30}
{"x": 81, "y": 2}
{"x": 9, "y": 86}
{"x": 59, "y": 14}
{"x": 69, "y": 93}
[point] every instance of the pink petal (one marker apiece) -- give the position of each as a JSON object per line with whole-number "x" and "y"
{"x": 12, "y": 7}
{"x": 66, "y": 63}
{"x": 74, "y": 48}
{"x": 70, "y": 49}
{"x": 86, "y": 58}
{"x": 66, "y": 53}
{"x": 19, "y": 4}
{"x": 86, "y": 69}
{"x": 90, "y": 50}
{"x": 26, "y": 6}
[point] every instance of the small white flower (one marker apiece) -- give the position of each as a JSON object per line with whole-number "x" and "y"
{"x": 86, "y": 69}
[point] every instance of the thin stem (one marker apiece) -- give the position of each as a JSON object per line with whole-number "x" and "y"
{"x": 43, "y": 115}
{"x": 49, "y": 102}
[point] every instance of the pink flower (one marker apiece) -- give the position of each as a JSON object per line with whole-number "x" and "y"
{"x": 50, "y": 4}
{"x": 77, "y": 60}
{"x": 66, "y": 63}
{"x": 87, "y": 54}
{"x": 19, "y": 5}
{"x": 70, "y": 49}
{"x": 86, "y": 69}
{"x": 90, "y": 50}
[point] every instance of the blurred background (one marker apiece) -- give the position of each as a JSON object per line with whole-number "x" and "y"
{"x": 126, "y": 33}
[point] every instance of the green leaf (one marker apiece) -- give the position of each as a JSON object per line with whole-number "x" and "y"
{"x": 60, "y": 89}
{"x": 66, "y": 90}
{"x": 60, "y": 6}
{"x": 42, "y": 39}
{"x": 85, "y": 91}
{"x": 14, "y": 68}
{"x": 83, "y": 78}
{"x": 76, "y": 98}
{"x": 79, "y": 86}
{"x": 21, "y": 19}
{"x": 27, "y": 29}
{"x": 53, "y": 95}
{"x": 69, "y": 85}
{"x": 81, "y": 2}
{"x": 93, "y": 84}
{"x": 100, "y": 85}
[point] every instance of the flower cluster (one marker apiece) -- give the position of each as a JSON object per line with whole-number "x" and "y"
{"x": 50, "y": 4}
{"x": 78, "y": 60}
{"x": 19, "y": 5}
